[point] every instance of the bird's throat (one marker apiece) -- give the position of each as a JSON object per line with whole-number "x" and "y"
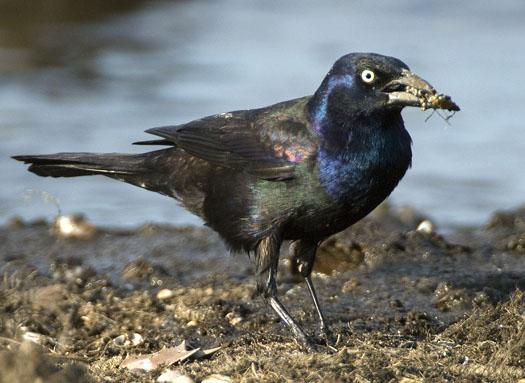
{"x": 358, "y": 155}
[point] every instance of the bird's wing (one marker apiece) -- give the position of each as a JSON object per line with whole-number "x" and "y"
{"x": 267, "y": 143}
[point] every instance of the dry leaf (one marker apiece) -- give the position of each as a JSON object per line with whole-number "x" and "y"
{"x": 166, "y": 356}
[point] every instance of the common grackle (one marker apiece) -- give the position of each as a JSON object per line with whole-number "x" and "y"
{"x": 299, "y": 170}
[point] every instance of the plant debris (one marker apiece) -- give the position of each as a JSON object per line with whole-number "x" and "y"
{"x": 404, "y": 303}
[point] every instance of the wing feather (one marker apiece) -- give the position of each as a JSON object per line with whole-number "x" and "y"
{"x": 261, "y": 142}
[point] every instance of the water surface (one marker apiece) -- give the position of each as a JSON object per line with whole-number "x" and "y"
{"x": 74, "y": 79}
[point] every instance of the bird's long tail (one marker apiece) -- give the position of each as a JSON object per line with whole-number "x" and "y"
{"x": 170, "y": 171}
{"x": 113, "y": 165}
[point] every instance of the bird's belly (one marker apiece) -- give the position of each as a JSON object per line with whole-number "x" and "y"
{"x": 300, "y": 208}
{"x": 322, "y": 221}
{"x": 331, "y": 213}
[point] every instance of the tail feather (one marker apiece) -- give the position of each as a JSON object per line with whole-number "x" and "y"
{"x": 83, "y": 164}
{"x": 169, "y": 171}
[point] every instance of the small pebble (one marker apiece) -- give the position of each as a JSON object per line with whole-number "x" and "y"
{"x": 164, "y": 294}
{"x": 172, "y": 376}
{"x": 192, "y": 323}
{"x": 426, "y": 227}
{"x": 234, "y": 318}
{"x": 464, "y": 360}
{"x": 124, "y": 340}
{"x": 121, "y": 340}
{"x": 137, "y": 339}
{"x": 67, "y": 226}
{"x": 351, "y": 285}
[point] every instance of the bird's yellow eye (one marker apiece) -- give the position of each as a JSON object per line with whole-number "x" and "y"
{"x": 368, "y": 76}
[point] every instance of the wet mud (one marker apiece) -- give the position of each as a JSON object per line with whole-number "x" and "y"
{"x": 404, "y": 303}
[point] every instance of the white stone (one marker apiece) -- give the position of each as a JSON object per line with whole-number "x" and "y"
{"x": 172, "y": 376}
{"x": 425, "y": 226}
{"x": 164, "y": 294}
{"x": 136, "y": 339}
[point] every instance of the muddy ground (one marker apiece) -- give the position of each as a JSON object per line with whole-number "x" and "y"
{"x": 403, "y": 304}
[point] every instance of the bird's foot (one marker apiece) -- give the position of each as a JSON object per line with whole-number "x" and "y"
{"x": 325, "y": 335}
{"x": 323, "y": 341}
{"x": 301, "y": 338}
{"x": 309, "y": 344}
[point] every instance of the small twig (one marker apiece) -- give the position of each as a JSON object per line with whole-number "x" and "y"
{"x": 254, "y": 371}
{"x": 10, "y": 340}
{"x": 332, "y": 348}
{"x": 337, "y": 340}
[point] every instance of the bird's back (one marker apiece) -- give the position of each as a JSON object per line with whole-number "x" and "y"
{"x": 238, "y": 170}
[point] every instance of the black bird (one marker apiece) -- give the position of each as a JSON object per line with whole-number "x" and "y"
{"x": 299, "y": 170}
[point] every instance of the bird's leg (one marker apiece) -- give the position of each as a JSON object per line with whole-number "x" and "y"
{"x": 266, "y": 260}
{"x": 323, "y": 326}
{"x": 302, "y": 263}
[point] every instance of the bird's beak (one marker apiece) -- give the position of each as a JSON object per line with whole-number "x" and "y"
{"x": 411, "y": 90}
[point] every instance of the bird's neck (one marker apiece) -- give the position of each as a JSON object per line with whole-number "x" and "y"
{"x": 335, "y": 125}
{"x": 372, "y": 151}
{"x": 342, "y": 131}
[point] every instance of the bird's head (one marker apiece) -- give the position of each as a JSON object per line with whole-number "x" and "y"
{"x": 364, "y": 84}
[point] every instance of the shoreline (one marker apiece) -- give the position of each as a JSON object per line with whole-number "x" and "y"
{"x": 403, "y": 301}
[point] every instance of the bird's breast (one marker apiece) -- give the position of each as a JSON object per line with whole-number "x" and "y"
{"x": 364, "y": 173}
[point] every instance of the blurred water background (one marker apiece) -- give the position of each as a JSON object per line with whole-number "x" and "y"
{"x": 91, "y": 76}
